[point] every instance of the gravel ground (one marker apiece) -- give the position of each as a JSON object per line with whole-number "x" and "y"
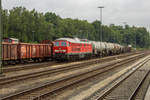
{"x": 125, "y": 89}
{"x": 5, "y": 90}
{"x": 73, "y": 90}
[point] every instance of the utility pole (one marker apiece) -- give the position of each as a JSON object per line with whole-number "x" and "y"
{"x": 100, "y": 24}
{"x": 1, "y": 71}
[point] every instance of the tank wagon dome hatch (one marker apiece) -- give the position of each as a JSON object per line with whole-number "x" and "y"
{"x": 73, "y": 40}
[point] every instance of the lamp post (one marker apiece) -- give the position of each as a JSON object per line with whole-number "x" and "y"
{"x": 1, "y": 71}
{"x": 125, "y": 23}
{"x": 100, "y": 24}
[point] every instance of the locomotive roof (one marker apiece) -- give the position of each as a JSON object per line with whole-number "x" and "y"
{"x": 73, "y": 40}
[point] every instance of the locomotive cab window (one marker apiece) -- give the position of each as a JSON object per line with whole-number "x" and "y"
{"x": 69, "y": 44}
{"x": 63, "y": 44}
{"x": 56, "y": 43}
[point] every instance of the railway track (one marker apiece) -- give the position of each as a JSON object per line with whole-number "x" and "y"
{"x": 4, "y": 81}
{"x": 132, "y": 86}
{"x": 7, "y": 69}
{"x": 49, "y": 87}
{"x": 141, "y": 88}
{"x": 72, "y": 91}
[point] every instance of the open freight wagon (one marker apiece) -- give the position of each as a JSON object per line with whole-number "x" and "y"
{"x": 20, "y": 52}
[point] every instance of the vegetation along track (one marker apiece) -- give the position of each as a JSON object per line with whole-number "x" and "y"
{"x": 130, "y": 86}
{"x": 43, "y": 89}
{"x": 45, "y": 64}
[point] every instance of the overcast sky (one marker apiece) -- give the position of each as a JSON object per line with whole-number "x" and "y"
{"x": 133, "y": 12}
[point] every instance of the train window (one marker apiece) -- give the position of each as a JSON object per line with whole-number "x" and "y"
{"x": 63, "y": 44}
{"x": 56, "y": 43}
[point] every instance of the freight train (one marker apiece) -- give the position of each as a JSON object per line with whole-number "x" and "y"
{"x": 75, "y": 48}
{"x": 60, "y": 49}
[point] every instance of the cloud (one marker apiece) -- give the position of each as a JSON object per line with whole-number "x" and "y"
{"x": 134, "y": 12}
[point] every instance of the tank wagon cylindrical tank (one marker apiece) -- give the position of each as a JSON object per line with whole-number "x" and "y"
{"x": 106, "y": 48}
{"x": 109, "y": 48}
{"x": 99, "y": 48}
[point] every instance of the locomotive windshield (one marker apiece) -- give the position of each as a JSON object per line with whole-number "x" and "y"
{"x": 56, "y": 43}
{"x": 63, "y": 44}
{"x": 60, "y": 43}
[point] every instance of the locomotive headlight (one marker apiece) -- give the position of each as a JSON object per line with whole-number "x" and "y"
{"x": 64, "y": 50}
{"x": 60, "y": 50}
{"x": 56, "y": 50}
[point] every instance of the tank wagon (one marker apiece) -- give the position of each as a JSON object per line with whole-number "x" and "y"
{"x": 99, "y": 48}
{"x": 71, "y": 48}
{"x": 105, "y": 49}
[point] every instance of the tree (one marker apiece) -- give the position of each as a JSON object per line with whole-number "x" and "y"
{"x": 32, "y": 26}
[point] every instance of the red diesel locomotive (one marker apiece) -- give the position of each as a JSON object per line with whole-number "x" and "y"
{"x": 71, "y": 48}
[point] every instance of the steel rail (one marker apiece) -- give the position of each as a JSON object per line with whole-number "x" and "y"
{"x": 37, "y": 65}
{"x": 31, "y": 89}
{"x": 117, "y": 83}
{"x": 42, "y": 95}
{"x": 138, "y": 86}
{"x": 50, "y": 71}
